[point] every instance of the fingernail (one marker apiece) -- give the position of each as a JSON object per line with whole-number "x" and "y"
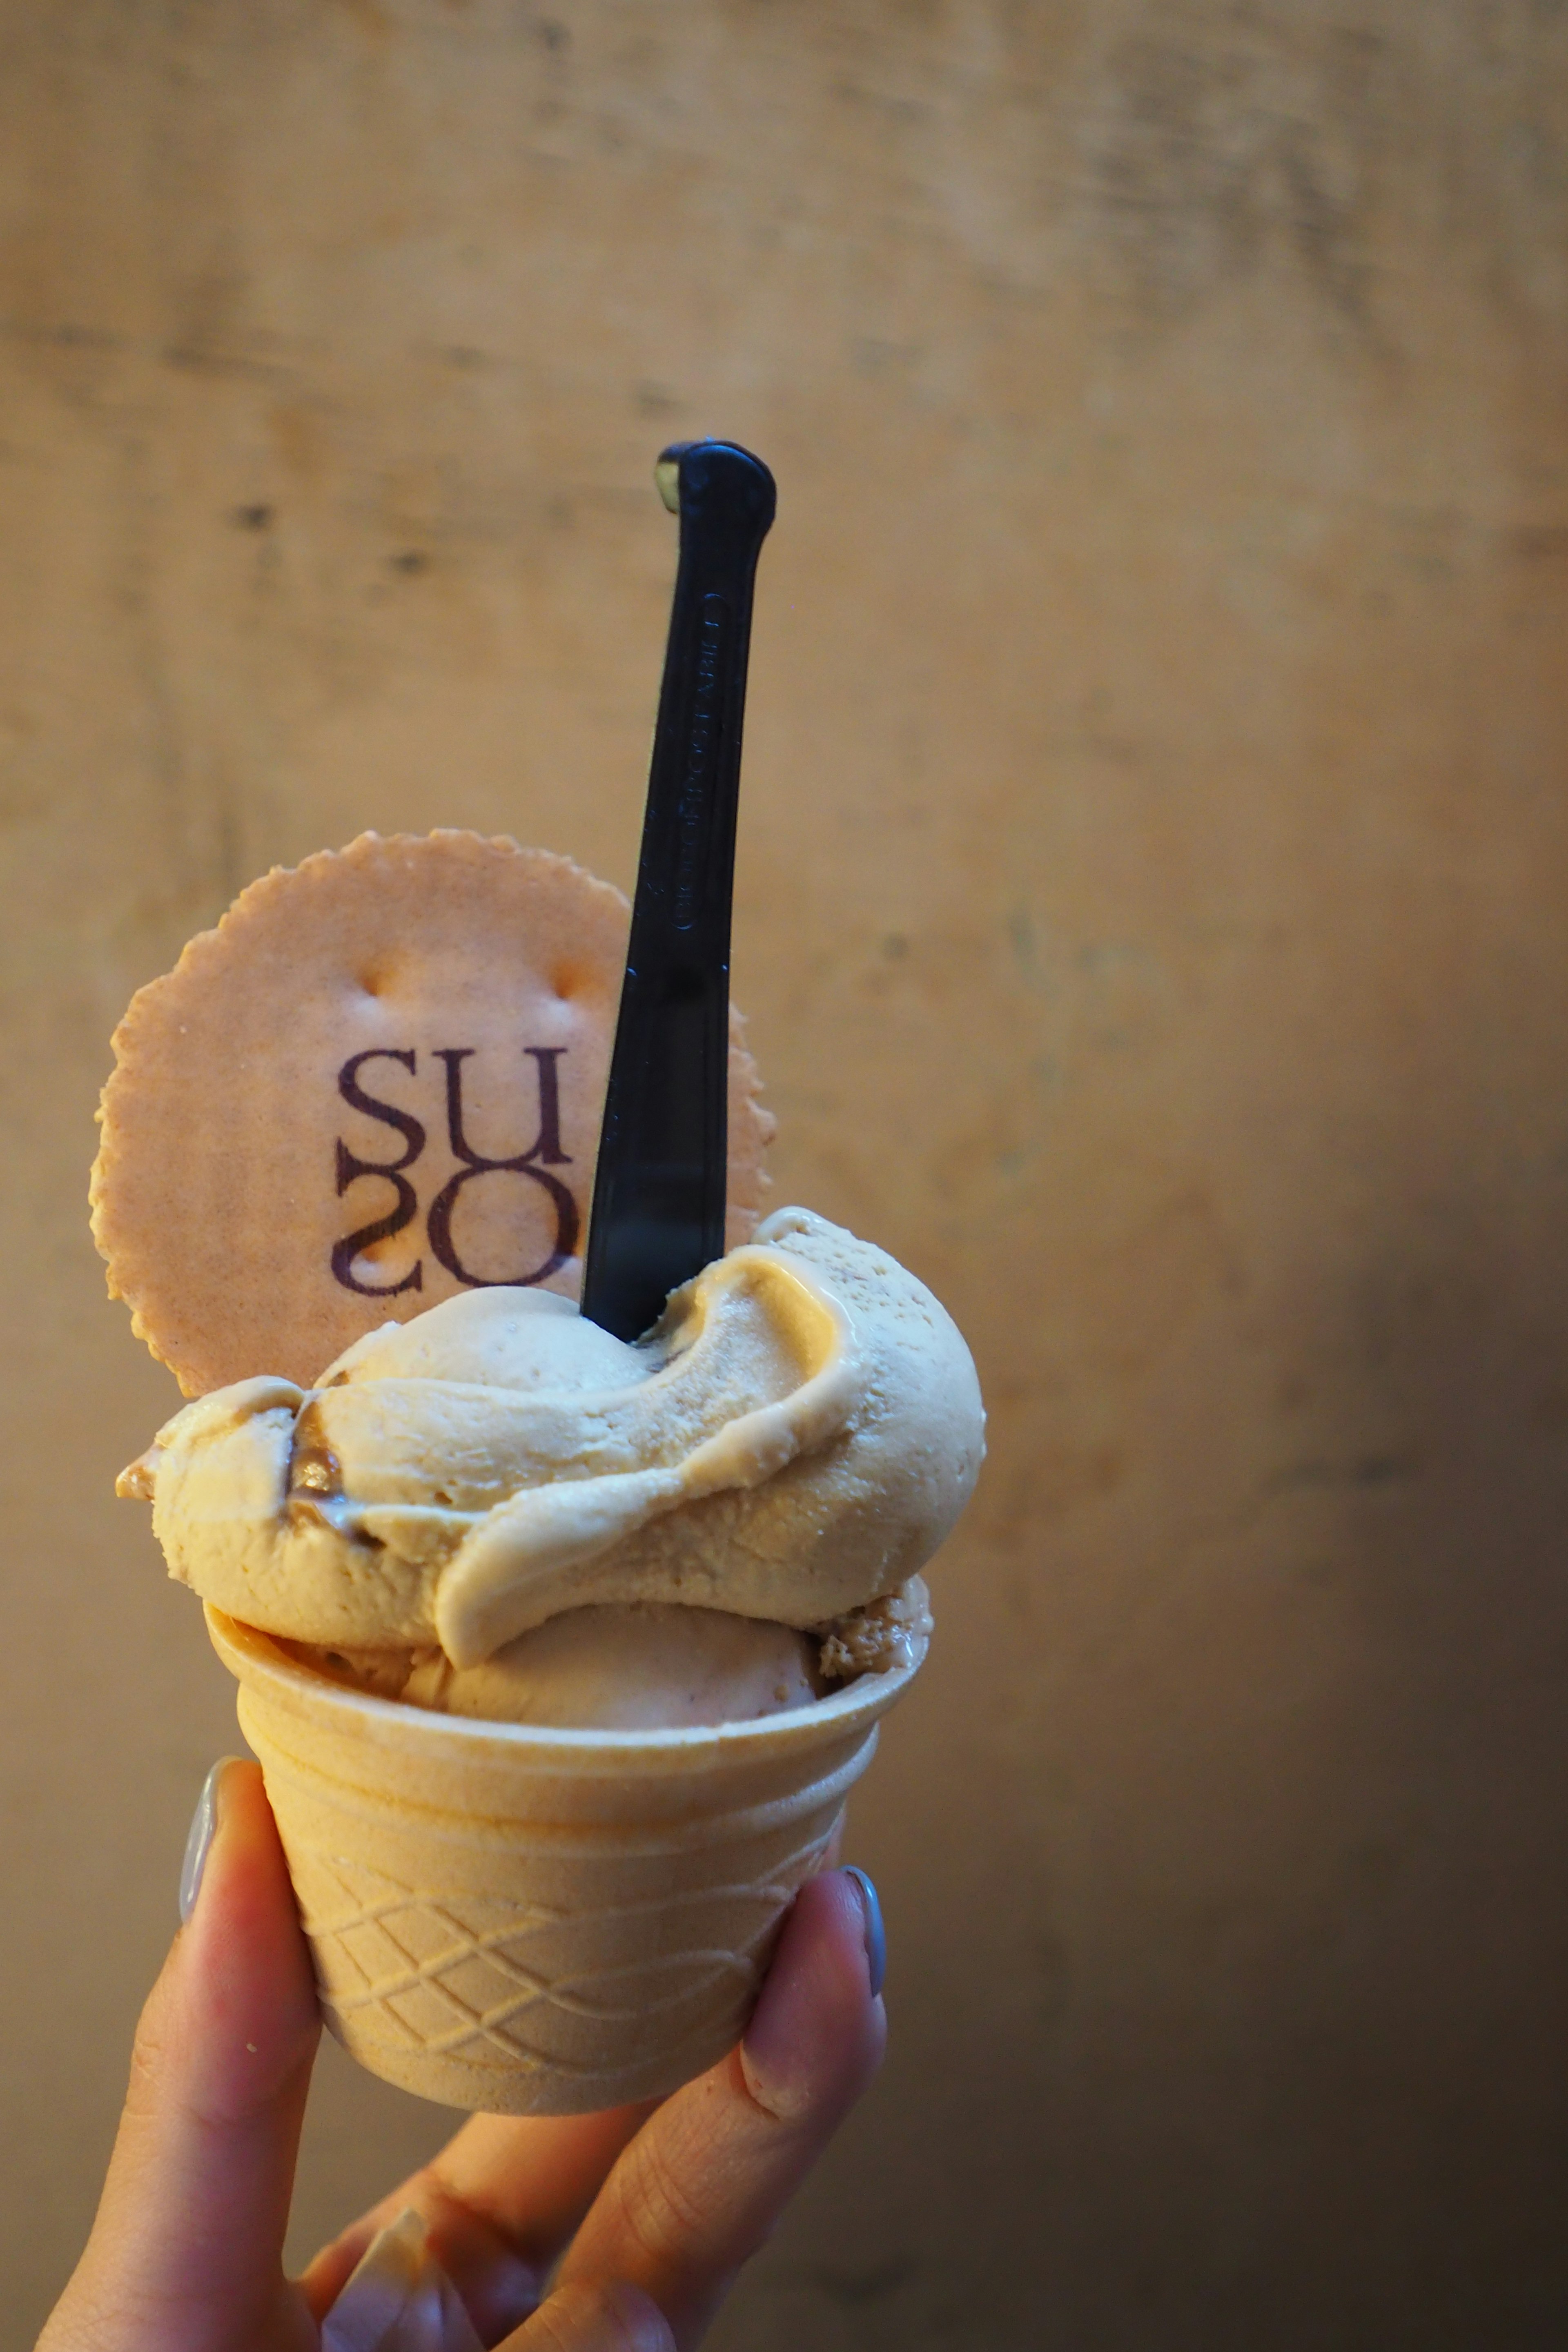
{"x": 203, "y": 1821}
{"x": 876, "y": 1934}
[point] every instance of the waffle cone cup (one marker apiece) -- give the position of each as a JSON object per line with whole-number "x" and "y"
{"x": 542, "y": 1922}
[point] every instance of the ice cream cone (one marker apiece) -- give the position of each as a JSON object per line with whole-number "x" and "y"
{"x": 541, "y": 1922}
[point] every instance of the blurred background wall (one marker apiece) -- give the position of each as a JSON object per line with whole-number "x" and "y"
{"x": 1152, "y": 918}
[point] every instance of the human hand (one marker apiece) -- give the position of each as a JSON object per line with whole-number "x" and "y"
{"x": 656, "y": 2207}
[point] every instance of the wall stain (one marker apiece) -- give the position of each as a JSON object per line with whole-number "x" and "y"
{"x": 1220, "y": 152}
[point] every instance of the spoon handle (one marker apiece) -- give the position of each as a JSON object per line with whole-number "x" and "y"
{"x": 658, "y": 1193}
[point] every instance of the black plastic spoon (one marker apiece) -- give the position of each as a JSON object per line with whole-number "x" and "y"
{"x": 659, "y": 1194}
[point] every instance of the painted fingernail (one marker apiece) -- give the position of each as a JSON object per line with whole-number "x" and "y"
{"x": 203, "y": 1821}
{"x": 876, "y": 1934}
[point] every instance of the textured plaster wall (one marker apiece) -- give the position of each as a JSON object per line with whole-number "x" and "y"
{"x": 1151, "y": 911}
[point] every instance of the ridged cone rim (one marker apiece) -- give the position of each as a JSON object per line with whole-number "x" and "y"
{"x": 255, "y": 1658}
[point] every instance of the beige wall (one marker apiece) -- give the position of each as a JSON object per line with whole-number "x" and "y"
{"x": 1150, "y": 913}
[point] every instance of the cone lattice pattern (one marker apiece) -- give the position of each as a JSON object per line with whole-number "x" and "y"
{"x": 541, "y": 1922}
{"x": 413, "y": 1972}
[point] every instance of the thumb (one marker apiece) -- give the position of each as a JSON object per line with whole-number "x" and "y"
{"x": 186, "y": 2252}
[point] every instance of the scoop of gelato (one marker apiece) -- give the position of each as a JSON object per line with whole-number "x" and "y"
{"x": 637, "y": 1666}
{"x": 791, "y": 1444}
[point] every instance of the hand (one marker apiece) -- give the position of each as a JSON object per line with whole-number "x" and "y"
{"x": 658, "y": 2208}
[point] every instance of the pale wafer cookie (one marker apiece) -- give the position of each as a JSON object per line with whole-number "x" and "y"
{"x": 377, "y": 1083}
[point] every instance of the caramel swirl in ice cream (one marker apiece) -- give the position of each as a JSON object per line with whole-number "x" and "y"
{"x": 790, "y": 1443}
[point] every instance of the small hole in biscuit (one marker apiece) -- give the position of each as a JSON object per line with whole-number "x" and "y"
{"x": 564, "y": 982}
{"x": 374, "y": 982}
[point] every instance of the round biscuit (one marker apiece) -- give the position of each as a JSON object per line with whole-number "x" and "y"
{"x": 378, "y": 1082}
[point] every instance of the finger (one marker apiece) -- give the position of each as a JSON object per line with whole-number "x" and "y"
{"x": 584, "y": 2318}
{"x": 499, "y": 2202}
{"x": 187, "y": 2249}
{"x": 701, "y": 2186}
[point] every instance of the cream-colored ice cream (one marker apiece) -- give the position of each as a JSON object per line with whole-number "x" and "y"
{"x": 642, "y": 1665}
{"x": 637, "y": 1666}
{"x": 789, "y": 1446}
